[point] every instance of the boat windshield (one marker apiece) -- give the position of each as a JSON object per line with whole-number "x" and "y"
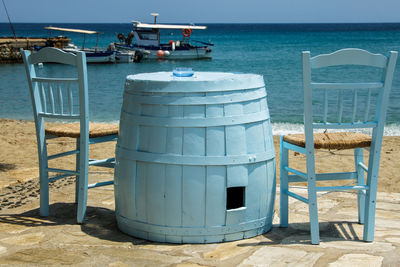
{"x": 147, "y": 35}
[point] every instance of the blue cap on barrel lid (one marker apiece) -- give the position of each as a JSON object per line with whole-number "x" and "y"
{"x": 183, "y": 72}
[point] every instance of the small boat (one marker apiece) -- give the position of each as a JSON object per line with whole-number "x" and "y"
{"x": 145, "y": 40}
{"x": 93, "y": 55}
{"x": 125, "y": 56}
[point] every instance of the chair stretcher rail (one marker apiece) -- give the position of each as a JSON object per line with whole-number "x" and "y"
{"x": 100, "y": 184}
{"x": 62, "y": 171}
{"x": 58, "y": 177}
{"x": 362, "y": 165}
{"x": 322, "y": 176}
{"x": 296, "y": 196}
{"x": 103, "y": 163}
{"x": 342, "y": 188}
{"x": 298, "y": 173}
{"x": 72, "y": 152}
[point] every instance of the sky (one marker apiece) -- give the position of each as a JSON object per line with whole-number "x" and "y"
{"x": 204, "y": 11}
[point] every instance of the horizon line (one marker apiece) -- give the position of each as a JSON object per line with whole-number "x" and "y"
{"x": 6, "y": 22}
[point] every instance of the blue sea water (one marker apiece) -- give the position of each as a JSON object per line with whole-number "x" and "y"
{"x": 271, "y": 50}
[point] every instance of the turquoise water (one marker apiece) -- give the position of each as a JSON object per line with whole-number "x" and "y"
{"x": 273, "y": 51}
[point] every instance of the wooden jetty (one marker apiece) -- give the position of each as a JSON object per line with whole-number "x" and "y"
{"x": 10, "y": 46}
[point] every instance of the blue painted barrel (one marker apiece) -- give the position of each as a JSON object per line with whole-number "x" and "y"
{"x": 195, "y": 160}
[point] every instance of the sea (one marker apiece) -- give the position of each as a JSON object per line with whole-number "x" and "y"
{"x": 271, "y": 50}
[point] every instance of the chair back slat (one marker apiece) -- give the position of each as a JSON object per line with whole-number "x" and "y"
{"x": 51, "y": 97}
{"x": 368, "y": 102}
{"x": 340, "y": 105}
{"x": 355, "y": 101}
{"x": 70, "y": 100}
{"x": 42, "y": 96}
{"x": 60, "y": 100}
{"x": 325, "y": 105}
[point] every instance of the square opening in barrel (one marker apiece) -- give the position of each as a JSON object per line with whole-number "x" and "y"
{"x": 235, "y": 197}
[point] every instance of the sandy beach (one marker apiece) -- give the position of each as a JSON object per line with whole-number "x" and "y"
{"x": 26, "y": 238}
{"x": 19, "y": 163}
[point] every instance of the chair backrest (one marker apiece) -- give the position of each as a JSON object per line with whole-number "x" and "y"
{"x": 343, "y": 104}
{"x": 58, "y": 97}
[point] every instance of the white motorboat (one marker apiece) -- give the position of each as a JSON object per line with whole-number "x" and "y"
{"x": 145, "y": 40}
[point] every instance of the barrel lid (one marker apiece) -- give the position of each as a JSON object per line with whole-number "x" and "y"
{"x": 198, "y": 82}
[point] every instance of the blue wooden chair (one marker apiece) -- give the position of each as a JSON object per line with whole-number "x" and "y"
{"x": 350, "y": 108}
{"x": 64, "y": 100}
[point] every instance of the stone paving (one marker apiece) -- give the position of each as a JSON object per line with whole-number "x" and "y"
{"x": 26, "y": 239}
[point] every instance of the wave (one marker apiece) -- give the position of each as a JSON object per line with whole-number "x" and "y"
{"x": 281, "y": 128}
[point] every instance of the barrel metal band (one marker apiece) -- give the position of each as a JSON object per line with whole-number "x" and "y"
{"x": 193, "y": 159}
{"x": 160, "y": 87}
{"x": 159, "y": 99}
{"x": 196, "y": 122}
{"x": 128, "y": 224}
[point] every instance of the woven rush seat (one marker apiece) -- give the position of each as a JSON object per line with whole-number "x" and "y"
{"x": 339, "y": 140}
{"x": 73, "y": 129}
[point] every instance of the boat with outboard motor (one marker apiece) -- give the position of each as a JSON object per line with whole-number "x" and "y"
{"x": 145, "y": 40}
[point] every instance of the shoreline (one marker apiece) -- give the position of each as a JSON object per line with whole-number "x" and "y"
{"x": 19, "y": 164}
{"x": 278, "y": 128}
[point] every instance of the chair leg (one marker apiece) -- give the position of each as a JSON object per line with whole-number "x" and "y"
{"x": 43, "y": 165}
{"x": 83, "y": 182}
{"x": 77, "y": 167}
{"x": 284, "y": 185}
{"x": 358, "y": 158}
{"x": 313, "y": 210}
{"x": 312, "y": 199}
{"x": 44, "y": 177}
{"x": 370, "y": 199}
